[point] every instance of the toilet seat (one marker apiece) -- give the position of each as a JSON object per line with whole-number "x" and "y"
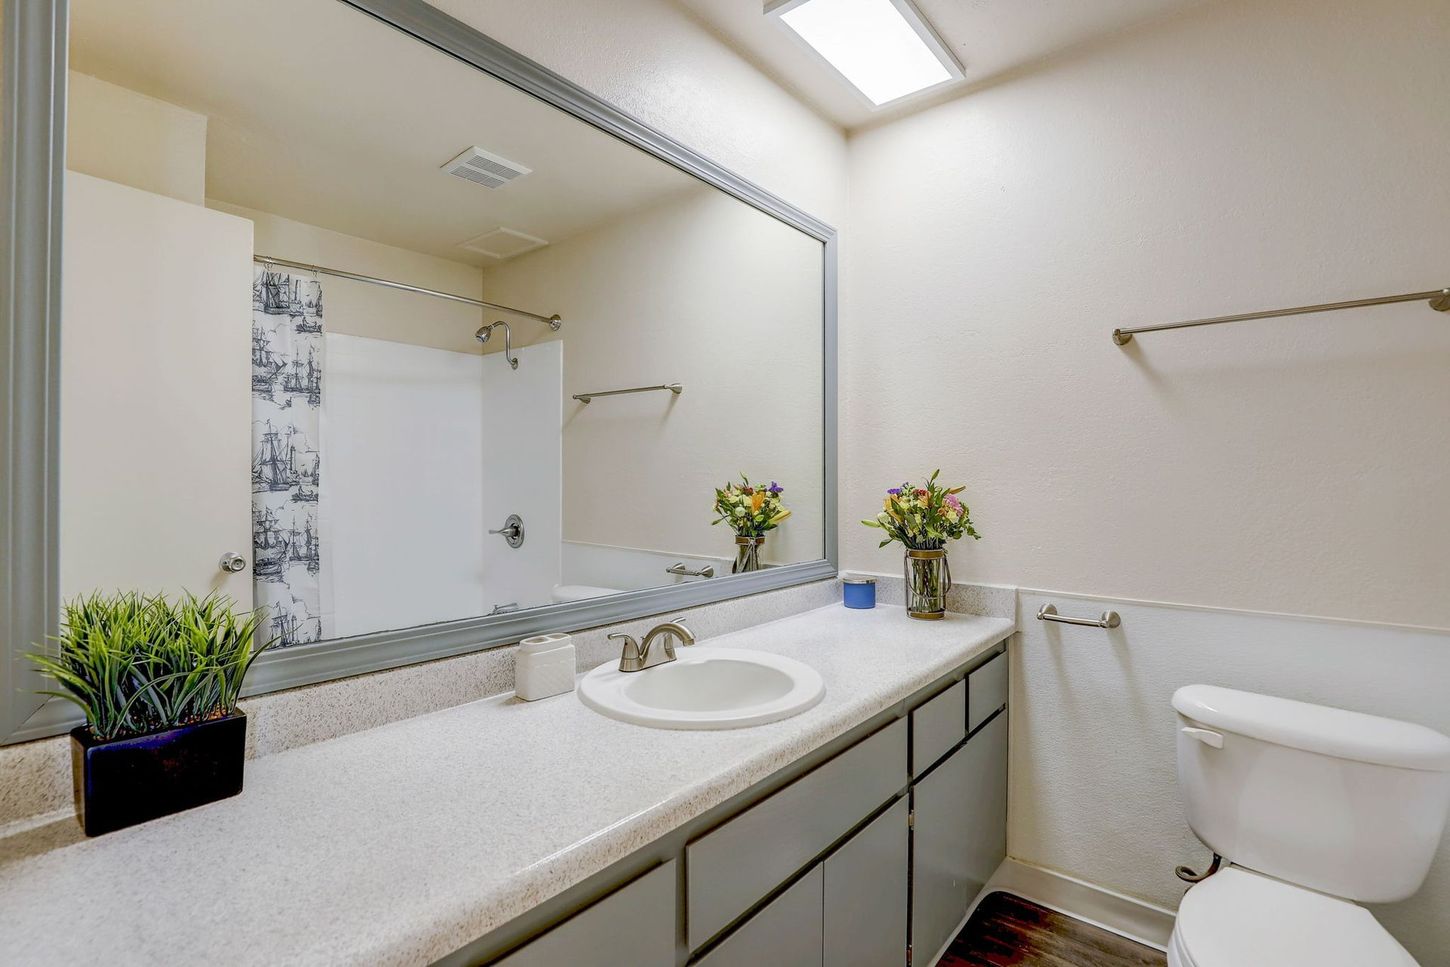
{"x": 1237, "y": 918}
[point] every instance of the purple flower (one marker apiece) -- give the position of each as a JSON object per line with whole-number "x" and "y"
{"x": 894, "y": 491}
{"x": 775, "y": 488}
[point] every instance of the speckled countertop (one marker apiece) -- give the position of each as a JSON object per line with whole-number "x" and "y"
{"x": 401, "y": 844}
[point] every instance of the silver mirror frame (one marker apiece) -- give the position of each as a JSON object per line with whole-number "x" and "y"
{"x": 32, "y": 140}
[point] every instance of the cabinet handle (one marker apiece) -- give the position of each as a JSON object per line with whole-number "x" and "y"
{"x": 231, "y": 562}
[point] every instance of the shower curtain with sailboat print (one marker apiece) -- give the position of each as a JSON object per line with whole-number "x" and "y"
{"x": 287, "y": 360}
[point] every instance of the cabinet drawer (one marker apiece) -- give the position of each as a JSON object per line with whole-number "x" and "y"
{"x": 937, "y": 726}
{"x": 785, "y": 933}
{"x": 986, "y": 691}
{"x": 632, "y": 927}
{"x": 732, "y": 867}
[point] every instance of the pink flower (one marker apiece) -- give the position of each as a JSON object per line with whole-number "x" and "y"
{"x": 952, "y": 502}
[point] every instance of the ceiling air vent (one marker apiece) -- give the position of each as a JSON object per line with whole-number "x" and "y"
{"x": 503, "y": 243}
{"x": 484, "y": 168}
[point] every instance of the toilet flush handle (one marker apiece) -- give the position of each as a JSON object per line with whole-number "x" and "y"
{"x": 1206, "y": 736}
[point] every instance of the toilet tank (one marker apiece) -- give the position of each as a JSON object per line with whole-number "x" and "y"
{"x": 1348, "y": 804}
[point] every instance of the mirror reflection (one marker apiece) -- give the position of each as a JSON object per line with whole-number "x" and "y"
{"x": 369, "y": 339}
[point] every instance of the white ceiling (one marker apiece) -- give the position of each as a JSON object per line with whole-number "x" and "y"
{"x": 987, "y": 36}
{"x": 321, "y": 114}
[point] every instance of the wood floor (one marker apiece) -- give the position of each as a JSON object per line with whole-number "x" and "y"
{"x": 1008, "y": 930}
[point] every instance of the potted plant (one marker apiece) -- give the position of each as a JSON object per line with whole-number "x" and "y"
{"x": 923, "y": 519}
{"x": 751, "y": 511}
{"x": 158, "y": 682}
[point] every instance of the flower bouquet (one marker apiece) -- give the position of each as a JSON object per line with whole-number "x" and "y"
{"x": 923, "y": 519}
{"x": 751, "y": 511}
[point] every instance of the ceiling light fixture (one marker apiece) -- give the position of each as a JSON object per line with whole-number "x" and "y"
{"x": 884, "y": 48}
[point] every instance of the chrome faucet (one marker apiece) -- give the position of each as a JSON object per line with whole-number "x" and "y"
{"x": 635, "y": 656}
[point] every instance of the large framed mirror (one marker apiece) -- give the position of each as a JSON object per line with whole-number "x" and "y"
{"x": 377, "y": 327}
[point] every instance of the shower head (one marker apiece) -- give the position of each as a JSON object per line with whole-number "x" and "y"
{"x": 508, "y": 352}
{"x": 1441, "y": 303}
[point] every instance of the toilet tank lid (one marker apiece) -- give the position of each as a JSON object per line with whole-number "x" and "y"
{"x": 1316, "y": 728}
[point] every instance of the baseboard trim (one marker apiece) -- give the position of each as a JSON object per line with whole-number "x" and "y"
{"x": 1124, "y": 915}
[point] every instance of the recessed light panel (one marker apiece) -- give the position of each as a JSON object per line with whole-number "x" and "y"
{"x": 883, "y": 47}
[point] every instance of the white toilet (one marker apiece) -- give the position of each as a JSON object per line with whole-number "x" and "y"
{"x": 1313, "y": 811}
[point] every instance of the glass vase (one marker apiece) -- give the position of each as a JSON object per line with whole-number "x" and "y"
{"x": 747, "y": 554}
{"x": 928, "y": 579}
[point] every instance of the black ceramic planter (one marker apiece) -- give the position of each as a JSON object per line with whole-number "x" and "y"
{"x": 123, "y": 782}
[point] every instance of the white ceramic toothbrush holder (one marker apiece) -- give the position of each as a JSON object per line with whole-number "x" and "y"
{"x": 544, "y": 666}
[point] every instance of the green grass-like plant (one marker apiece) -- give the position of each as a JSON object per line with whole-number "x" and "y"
{"x": 138, "y": 663}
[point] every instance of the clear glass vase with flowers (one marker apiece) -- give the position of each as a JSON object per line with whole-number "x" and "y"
{"x": 751, "y": 511}
{"x": 923, "y": 518}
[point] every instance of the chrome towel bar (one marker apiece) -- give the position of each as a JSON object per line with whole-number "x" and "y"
{"x": 675, "y": 388}
{"x": 1439, "y": 300}
{"x": 1109, "y": 619}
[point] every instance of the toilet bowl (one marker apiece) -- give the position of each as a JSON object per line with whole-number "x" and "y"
{"x": 1238, "y": 918}
{"x": 1314, "y": 810}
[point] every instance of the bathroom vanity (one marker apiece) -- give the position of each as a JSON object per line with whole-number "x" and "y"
{"x": 545, "y": 833}
{"x": 858, "y": 853}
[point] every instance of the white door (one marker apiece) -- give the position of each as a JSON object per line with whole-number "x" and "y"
{"x": 155, "y": 393}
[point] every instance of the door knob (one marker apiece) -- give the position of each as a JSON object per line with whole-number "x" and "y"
{"x": 231, "y": 562}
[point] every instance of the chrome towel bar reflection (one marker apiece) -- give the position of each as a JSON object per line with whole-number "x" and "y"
{"x": 1109, "y": 619}
{"x": 708, "y": 571}
{"x": 675, "y": 388}
{"x": 1439, "y": 300}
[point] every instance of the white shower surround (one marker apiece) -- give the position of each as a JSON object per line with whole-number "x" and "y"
{"x": 421, "y": 466}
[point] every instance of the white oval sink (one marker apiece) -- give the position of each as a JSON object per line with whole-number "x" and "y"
{"x": 705, "y": 688}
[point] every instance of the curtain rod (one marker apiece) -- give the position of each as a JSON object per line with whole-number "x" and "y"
{"x": 1439, "y": 300}
{"x": 552, "y": 321}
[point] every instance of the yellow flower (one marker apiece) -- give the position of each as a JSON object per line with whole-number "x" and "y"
{"x": 756, "y": 500}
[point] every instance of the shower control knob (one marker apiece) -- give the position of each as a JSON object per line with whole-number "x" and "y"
{"x": 232, "y": 562}
{"x": 512, "y": 530}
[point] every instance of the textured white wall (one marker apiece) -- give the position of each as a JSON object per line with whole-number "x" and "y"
{"x": 710, "y": 293}
{"x": 1244, "y": 155}
{"x": 374, "y": 311}
{"x": 1094, "y": 790}
{"x": 126, "y": 137}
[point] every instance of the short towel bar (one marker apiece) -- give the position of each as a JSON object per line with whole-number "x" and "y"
{"x": 1109, "y": 619}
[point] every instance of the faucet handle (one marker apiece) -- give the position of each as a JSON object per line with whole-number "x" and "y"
{"x": 630, "y": 659}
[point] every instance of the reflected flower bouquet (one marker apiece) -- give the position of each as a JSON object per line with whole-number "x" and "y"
{"x": 750, "y": 510}
{"x": 925, "y": 517}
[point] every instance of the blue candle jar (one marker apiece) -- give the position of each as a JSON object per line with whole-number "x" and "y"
{"x": 858, "y": 592}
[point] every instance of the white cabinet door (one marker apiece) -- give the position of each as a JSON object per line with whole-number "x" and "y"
{"x": 960, "y": 836}
{"x": 155, "y": 393}
{"x": 866, "y": 889}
